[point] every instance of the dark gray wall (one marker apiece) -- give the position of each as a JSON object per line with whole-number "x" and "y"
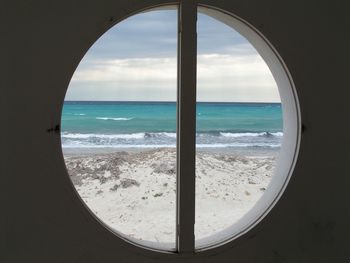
{"x": 41, "y": 218}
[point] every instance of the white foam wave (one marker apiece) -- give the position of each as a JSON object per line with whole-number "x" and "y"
{"x": 169, "y": 134}
{"x": 113, "y": 119}
{"x": 119, "y": 146}
{"x": 79, "y": 114}
{"x": 249, "y": 134}
{"x": 279, "y": 134}
{"x": 246, "y": 134}
{"x": 216, "y": 145}
{"x": 140, "y": 135}
{"x": 243, "y": 145}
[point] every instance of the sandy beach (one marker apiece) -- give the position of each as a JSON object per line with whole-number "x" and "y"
{"x": 134, "y": 192}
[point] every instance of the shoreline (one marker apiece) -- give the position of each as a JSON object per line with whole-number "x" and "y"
{"x": 246, "y": 151}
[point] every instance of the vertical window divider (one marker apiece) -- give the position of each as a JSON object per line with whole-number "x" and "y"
{"x": 186, "y": 126}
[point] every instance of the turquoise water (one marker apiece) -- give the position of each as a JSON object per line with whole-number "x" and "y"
{"x": 153, "y": 124}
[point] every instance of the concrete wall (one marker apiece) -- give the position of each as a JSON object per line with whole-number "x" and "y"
{"x": 41, "y": 218}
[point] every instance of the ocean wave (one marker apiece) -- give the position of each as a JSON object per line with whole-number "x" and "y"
{"x": 216, "y": 145}
{"x": 250, "y": 134}
{"x": 160, "y": 135}
{"x": 150, "y": 146}
{"x": 169, "y": 134}
{"x": 140, "y": 135}
{"x": 113, "y": 119}
{"x": 279, "y": 134}
{"x": 239, "y": 145}
{"x": 79, "y": 114}
{"x": 168, "y": 139}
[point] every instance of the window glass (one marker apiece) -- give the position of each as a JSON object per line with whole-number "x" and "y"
{"x": 239, "y": 127}
{"x": 119, "y": 128}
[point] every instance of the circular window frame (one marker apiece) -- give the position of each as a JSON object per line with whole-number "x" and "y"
{"x": 290, "y": 144}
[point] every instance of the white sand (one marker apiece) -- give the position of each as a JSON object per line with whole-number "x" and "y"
{"x": 134, "y": 192}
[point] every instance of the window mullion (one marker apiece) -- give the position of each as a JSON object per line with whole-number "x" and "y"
{"x": 186, "y": 125}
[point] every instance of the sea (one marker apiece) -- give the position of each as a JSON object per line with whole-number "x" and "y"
{"x": 115, "y": 124}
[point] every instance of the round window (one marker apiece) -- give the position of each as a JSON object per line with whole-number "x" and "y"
{"x": 180, "y": 128}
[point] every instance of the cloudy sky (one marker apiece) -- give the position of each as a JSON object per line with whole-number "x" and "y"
{"x": 136, "y": 60}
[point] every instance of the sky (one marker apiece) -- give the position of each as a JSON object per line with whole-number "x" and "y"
{"x": 136, "y": 60}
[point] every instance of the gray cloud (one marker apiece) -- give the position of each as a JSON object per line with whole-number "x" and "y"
{"x": 136, "y": 60}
